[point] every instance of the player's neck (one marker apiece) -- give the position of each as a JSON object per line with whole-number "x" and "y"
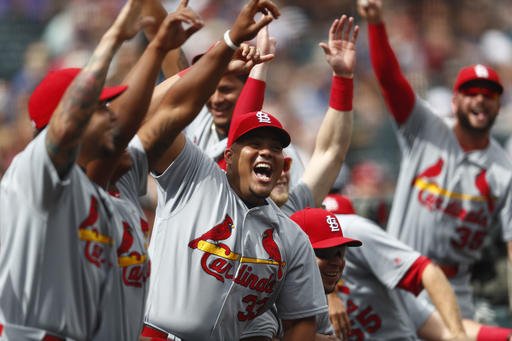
{"x": 471, "y": 140}
{"x": 249, "y": 200}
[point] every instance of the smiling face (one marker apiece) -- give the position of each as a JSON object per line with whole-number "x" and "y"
{"x": 280, "y": 193}
{"x": 254, "y": 164}
{"x": 331, "y": 262}
{"x": 222, "y": 103}
{"x": 476, "y": 108}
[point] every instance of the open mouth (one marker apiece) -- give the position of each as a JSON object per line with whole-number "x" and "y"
{"x": 263, "y": 171}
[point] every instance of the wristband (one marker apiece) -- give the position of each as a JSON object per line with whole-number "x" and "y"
{"x": 342, "y": 92}
{"x": 229, "y": 42}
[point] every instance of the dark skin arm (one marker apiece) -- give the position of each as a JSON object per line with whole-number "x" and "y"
{"x": 161, "y": 135}
{"x": 175, "y": 60}
{"x": 300, "y": 329}
{"x": 75, "y": 109}
{"x": 133, "y": 105}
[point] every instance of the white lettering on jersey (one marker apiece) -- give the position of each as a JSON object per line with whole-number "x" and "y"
{"x": 333, "y": 223}
{"x": 263, "y": 117}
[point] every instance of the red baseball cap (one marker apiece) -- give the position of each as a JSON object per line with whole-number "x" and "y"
{"x": 338, "y": 204}
{"x": 322, "y": 228}
{"x": 47, "y": 95}
{"x": 478, "y": 72}
{"x": 243, "y": 124}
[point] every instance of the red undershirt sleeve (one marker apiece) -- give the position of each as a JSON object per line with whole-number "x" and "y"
{"x": 251, "y": 97}
{"x": 411, "y": 281}
{"x": 397, "y": 91}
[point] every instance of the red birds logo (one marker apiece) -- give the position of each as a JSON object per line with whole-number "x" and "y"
{"x": 219, "y": 232}
{"x": 484, "y": 189}
{"x": 431, "y": 171}
{"x": 272, "y": 249}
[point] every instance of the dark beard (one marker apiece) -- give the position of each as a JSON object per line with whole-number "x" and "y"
{"x": 464, "y": 123}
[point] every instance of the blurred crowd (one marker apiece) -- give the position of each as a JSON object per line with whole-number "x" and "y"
{"x": 432, "y": 38}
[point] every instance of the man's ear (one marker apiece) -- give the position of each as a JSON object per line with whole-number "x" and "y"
{"x": 228, "y": 155}
{"x": 287, "y": 164}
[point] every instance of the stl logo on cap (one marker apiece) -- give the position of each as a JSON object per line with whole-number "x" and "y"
{"x": 481, "y": 71}
{"x": 263, "y": 117}
{"x": 333, "y": 223}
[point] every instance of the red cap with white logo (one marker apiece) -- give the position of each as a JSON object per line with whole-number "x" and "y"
{"x": 338, "y": 204}
{"x": 478, "y": 72}
{"x": 243, "y": 124}
{"x": 322, "y": 228}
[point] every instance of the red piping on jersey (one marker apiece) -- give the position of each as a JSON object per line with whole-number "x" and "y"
{"x": 397, "y": 91}
{"x": 411, "y": 281}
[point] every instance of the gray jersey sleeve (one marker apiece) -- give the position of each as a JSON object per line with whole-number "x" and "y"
{"x": 299, "y": 198}
{"x": 386, "y": 257}
{"x": 267, "y": 325}
{"x": 134, "y": 182}
{"x": 35, "y": 175}
{"x": 415, "y": 128}
{"x": 178, "y": 181}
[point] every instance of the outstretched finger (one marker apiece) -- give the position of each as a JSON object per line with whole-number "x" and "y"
{"x": 266, "y": 57}
{"x": 183, "y": 4}
{"x": 269, "y": 7}
{"x": 348, "y": 29}
{"x": 355, "y": 34}
{"x": 333, "y": 29}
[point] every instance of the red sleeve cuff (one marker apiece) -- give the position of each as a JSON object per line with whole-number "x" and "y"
{"x": 342, "y": 92}
{"x": 411, "y": 281}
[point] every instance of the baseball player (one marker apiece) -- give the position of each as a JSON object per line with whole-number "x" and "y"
{"x": 222, "y": 253}
{"x": 209, "y": 130}
{"x": 334, "y": 135}
{"x": 454, "y": 183}
{"x": 132, "y": 237}
{"x": 377, "y": 311}
{"x": 58, "y": 270}
{"x": 326, "y": 236}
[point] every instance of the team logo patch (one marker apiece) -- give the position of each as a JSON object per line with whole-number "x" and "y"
{"x": 481, "y": 71}
{"x": 135, "y": 265}
{"x": 95, "y": 241}
{"x": 218, "y": 259}
{"x": 333, "y": 223}
{"x": 263, "y": 117}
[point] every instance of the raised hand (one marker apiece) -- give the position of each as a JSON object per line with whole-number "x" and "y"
{"x": 371, "y": 10}
{"x": 340, "y": 51}
{"x": 172, "y": 33}
{"x": 245, "y": 58}
{"x": 266, "y": 45}
{"x": 128, "y": 22}
{"x": 245, "y": 27}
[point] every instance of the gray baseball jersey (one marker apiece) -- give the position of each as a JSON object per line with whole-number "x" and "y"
{"x": 131, "y": 240}
{"x": 268, "y": 325}
{"x": 58, "y": 270}
{"x": 299, "y": 198}
{"x": 446, "y": 200}
{"x": 243, "y": 259}
{"x": 371, "y": 273}
{"x": 202, "y": 132}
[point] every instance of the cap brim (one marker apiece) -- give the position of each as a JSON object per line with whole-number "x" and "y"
{"x": 110, "y": 93}
{"x": 337, "y": 241}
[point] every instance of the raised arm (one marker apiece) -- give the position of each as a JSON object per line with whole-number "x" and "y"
{"x": 133, "y": 105}
{"x": 333, "y": 138}
{"x": 443, "y": 298}
{"x": 81, "y": 99}
{"x": 190, "y": 93}
{"x": 174, "y": 60}
{"x": 397, "y": 91}
{"x": 253, "y": 93}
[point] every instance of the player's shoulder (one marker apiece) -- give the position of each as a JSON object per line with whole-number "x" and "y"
{"x": 498, "y": 155}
